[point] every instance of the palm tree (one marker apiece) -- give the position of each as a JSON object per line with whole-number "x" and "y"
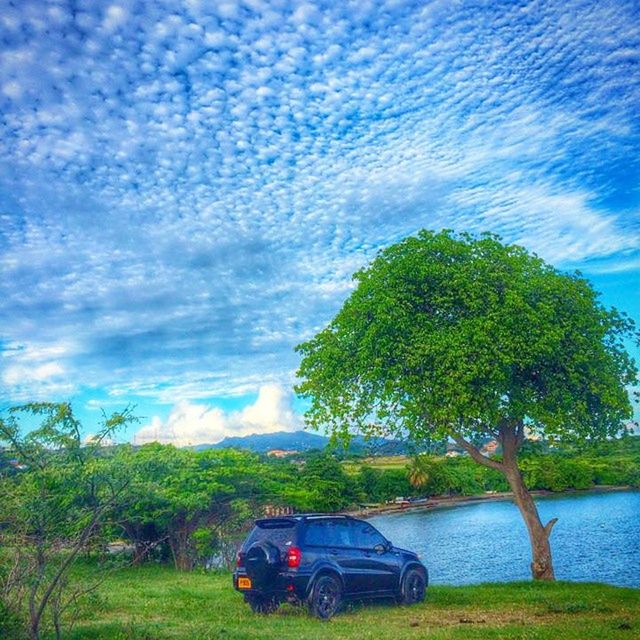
{"x": 418, "y": 473}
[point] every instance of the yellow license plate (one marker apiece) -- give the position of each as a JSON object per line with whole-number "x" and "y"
{"x": 244, "y": 583}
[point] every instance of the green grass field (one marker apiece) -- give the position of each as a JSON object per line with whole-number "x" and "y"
{"x": 383, "y": 463}
{"x": 156, "y": 603}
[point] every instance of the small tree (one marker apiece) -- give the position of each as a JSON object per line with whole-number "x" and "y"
{"x": 185, "y": 499}
{"x": 51, "y": 509}
{"x": 453, "y": 336}
{"x": 418, "y": 472}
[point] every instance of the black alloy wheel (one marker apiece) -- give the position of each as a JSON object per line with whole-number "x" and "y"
{"x": 413, "y": 587}
{"x": 326, "y": 597}
{"x": 263, "y": 604}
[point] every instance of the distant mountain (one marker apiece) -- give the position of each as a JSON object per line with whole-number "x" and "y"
{"x": 304, "y": 441}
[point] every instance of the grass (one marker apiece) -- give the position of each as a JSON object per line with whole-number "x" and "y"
{"x": 384, "y": 463}
{"x": 158, "y": 603}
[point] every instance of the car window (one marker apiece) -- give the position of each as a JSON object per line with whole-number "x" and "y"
{"x": 282, "y": 535}
{"x": 338, "y": 533}
{"x": 328, "y": 533}
{"x": 316, "y": 534}
{"x": 365, "y": 536}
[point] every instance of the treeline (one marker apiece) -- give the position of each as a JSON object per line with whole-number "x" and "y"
{"x": 610, "y": 463}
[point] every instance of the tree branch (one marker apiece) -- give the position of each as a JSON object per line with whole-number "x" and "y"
{"x": 519, "y": 434}
{"x": 549, "y": 526}
{"x": 475, "y": 454}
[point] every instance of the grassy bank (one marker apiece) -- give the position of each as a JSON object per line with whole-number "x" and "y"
{"x": 158, "y": 603}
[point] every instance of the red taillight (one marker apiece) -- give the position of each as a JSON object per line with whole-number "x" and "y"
{"x": 239, "y": 559}
{"x": 294, "y": 557}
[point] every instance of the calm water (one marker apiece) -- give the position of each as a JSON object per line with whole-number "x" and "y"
{"x": 596, "y": 538}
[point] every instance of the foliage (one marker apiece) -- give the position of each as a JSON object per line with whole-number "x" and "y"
{"x": 50, "y": 511}
{"x": 447, "y": 333}
{"x": 180, "y": 498}
{"x": 329, "y": 487}
{"x": 198, "y": 504}
{"x": 616, "y": 462}
{"x": 384, "y": 485}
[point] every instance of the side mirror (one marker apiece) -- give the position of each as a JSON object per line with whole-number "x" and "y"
{"x": 380, "y": 548}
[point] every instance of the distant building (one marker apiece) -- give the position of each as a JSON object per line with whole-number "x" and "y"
{"x": 102, "y": 442}
{"x": 490, "y": 448}
{"x": 453, "y": 450}
{"x": 281, "y": 453}
{"x": 277, "y": 510}
{"x": 531, "y": 435}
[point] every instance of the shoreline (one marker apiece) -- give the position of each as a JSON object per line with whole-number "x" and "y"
{"x": 441, "y": 502}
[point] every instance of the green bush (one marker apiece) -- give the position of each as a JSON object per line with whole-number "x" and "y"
{"x": 11, "y": 627}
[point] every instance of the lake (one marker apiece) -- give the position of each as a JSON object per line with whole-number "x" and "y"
{"x": 596, "y": 539}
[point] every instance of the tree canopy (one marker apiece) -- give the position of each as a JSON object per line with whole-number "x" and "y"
{"x": 451, "y": 334}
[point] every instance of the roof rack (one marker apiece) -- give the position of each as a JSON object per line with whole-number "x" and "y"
{"x": 312, "y": 516}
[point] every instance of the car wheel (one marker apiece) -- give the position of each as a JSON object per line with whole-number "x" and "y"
{"x": 325, "y": 597}
{"x": 262, "y": 561}
{"x": 414, "y": 587}
{"x": 263, "y": 604}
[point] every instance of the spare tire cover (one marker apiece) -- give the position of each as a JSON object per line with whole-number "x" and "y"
{"x": 262, "y": 562}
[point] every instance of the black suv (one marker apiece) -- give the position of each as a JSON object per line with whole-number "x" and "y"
{"x": 322, "y": 559}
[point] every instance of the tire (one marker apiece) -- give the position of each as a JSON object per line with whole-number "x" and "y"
{"x": 262, "y": 562}
{"x": 263, "y": 604}
{"x": 326, "y": 597}
{"x": 414, "y": 586}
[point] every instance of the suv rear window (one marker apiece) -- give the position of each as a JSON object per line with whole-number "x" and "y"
{"x": 281, "y": 533}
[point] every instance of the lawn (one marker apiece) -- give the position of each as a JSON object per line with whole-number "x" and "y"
{"x": 157, "y": 603}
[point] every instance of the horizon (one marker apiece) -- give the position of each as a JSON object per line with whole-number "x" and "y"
{"x": 185, "y": 190}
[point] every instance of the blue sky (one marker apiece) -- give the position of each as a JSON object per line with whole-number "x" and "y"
{"x": 186, "y": 187}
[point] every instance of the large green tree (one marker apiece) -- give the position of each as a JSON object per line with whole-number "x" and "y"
{"x": 455, "y": 336}
{"x": 179, "y": 497}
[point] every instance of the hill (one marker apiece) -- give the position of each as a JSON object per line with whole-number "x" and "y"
{"x": 305, "y": 441}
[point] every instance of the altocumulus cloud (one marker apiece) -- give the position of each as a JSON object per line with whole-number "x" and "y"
{"x": 186, "y": 187}
{"x": 192, "y": 424}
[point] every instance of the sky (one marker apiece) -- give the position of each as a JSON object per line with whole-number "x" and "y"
{"x": 187, "y": 187}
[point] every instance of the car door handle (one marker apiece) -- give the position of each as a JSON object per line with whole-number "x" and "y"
{"x": 333, "y": 552}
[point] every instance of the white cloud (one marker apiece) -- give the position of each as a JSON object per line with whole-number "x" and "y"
{"x": 20, "y": 374}
{"x": 35, "y": 370}
{"x": 114, "y": 16}
{"x": 192, "y": 424}
{"x": 186, "y": 196}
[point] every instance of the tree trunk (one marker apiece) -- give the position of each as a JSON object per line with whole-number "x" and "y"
{"x": 140, "y": 550}
{"x": 181, "y": 549}
{"x": 541, "y": 562}
{"x": 511, "y": 437}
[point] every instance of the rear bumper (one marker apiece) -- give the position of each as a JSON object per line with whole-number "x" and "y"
{"x": 287, "y": 585}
